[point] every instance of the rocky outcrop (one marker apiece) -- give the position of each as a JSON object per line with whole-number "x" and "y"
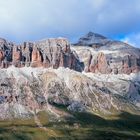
{"x": 26, "y": 91}
{"x": 92, "y": 39}
{"x": 101, "y": 55}
{"x": 116, "y": 62}
{"x": 93, "y": 53}
{"x": 100, "y": 64}
{"x": 36, "y": 58}
{"x": 105, "y": 65}
{"x": 46, "y": 53}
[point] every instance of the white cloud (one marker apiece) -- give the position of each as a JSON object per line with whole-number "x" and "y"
{"x": 34, "y": 19}
{"x": 133, "y": 39}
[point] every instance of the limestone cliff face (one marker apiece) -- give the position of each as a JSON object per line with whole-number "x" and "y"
{"x": 93, "y": 53}
{"x": 102, "y": 55}
{"x": 26, "y": 91}
{"x": 46, "y": 53}
{"x": 105, "y": 64}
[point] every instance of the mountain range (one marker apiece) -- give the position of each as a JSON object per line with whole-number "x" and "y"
{"x": 96, "y": 75}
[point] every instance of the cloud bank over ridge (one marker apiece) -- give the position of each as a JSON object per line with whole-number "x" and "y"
{"x": 33, "y": 20}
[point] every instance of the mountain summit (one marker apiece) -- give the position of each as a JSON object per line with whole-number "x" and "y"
{"x": 92, "y": 38}
{"x": 96, "y": 40}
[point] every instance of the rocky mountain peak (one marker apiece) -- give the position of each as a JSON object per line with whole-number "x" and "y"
{"x": 92, "y": 38}
{"x": 95, "y": 35}
{"x": 117, "y": 57}
{"x": 96, "y": 40}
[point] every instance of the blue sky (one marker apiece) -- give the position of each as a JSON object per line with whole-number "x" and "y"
{"x": 22, "y": 20}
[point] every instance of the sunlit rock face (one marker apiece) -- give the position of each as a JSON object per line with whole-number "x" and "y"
{"x": 26, "y": 91}
{"x": 95, "y": 75}
{"x": 46, "y": 53}
{"x": 102, "y": 55}
{"x": 93, "y": 53}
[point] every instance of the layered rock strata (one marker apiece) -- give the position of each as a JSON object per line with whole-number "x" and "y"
{"x": 46, "y": 53}
{"x": 102, "y": 55}
{"x": 93, "y": 53}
